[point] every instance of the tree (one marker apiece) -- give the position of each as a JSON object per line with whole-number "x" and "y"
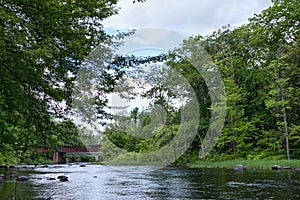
{"x": 42, "y": 46}
{"x": 275, "y": 30}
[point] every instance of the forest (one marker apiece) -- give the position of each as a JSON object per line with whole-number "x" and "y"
{"x": 44, "y": 45}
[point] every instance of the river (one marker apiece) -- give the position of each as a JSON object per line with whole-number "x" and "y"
{"x": 95, "y": 182}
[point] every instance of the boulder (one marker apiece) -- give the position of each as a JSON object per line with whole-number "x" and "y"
{"x": 82, "y": 166}
{"x": 276, "y": 167}
{"x": 239, "y": 168}
{"x": 22, "y": 178}
{"x": 2, "y": 176}
{"x": 63, "y": 178}
{"x": 297, "y": 169}
{"x": 50, "y": 178}
{"x": 13, "y": 174}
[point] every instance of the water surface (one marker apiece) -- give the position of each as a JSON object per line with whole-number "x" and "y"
{"x": 129, "y": 182}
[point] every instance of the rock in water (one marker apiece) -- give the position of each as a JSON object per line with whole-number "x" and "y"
{"x": 2, "y": 176}
{"x": 276, "y": 167}
{"x": 22, "y": 178}
{"x": 63, "y": 178}
{"x": 13, "y": 174}
{"x": 239, "y": 167}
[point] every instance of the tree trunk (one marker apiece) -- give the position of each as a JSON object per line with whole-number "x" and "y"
{"x": 285, "y": 126}
{"x": 202, "y": 145}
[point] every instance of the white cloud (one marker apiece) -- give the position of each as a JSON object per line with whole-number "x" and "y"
{"x": 185, "y": 16}
{"x": 150, "y": 37}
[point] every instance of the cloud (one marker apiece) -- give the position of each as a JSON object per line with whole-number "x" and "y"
{"x": 188, "y": 16}
{"x": 150, "y": 37}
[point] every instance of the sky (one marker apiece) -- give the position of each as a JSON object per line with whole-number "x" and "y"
{"x": 188, "y": 17}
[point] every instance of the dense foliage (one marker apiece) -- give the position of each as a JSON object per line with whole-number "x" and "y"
{"x": 42, "y": 44}
{"x": 259, "y": 64}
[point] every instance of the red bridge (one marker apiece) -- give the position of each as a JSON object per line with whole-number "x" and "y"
{"x": 71, "y": 149}
{"x": 59, "y": 157}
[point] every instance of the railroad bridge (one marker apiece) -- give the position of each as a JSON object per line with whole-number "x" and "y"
{"x": 60, "y": 155}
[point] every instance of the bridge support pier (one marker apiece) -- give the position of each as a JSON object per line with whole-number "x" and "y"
{"x": 59, "y": 158}
{"x": 97, "y": 158}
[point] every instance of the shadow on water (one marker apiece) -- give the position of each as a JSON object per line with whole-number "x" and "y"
{"x": 129, "y": 182}
{"x": 12, "y": 189}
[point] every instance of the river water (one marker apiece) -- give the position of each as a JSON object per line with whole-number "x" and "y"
{"x": 95, "y": 182}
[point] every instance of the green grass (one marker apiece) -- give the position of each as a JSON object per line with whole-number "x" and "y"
{"x": 249, "y": 164}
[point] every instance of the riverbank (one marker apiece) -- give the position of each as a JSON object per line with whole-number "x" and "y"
{"x": 249, "y": 164}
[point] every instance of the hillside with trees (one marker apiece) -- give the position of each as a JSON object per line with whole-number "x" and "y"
{"x": 259, "y": 64}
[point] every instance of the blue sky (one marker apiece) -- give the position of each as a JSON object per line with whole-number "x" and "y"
{"x": 188, "y": 17}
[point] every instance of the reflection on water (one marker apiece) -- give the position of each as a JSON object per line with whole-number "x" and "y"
{"x": 126, "y": 182}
